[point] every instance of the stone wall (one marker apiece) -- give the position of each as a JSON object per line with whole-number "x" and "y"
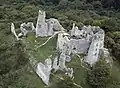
{"x": 46, "y": 27}
{"x": 88, "y": 40}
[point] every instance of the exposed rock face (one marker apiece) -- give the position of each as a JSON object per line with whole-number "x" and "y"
{"x": 44, "y": 70}
{"x": 13, "y": 31}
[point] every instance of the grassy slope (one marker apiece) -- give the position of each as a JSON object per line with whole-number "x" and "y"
{"x": 43, "y": 52}
{"x": 116, "y": 70}
{"x": 49, "y": 49}
{"x": 80, "y": 73}
{"x": 29, "y": 77}
{"x": 38, "y": 55}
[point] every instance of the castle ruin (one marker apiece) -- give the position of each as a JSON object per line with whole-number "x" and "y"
{"x": 88, "y": 40}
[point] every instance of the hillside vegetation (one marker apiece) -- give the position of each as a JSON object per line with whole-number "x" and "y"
{"x": 15, "y": 69}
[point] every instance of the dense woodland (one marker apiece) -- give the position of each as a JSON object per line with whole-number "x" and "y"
{"x": 103, "y": 13}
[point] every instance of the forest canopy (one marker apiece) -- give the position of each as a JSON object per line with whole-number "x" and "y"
{"x": 13, "y": 59}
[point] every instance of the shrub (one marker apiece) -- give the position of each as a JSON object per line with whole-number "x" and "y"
{"x": 99, "y": 75}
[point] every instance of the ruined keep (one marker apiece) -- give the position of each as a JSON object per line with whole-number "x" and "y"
{"x": 88, "y": 40}
{"x": 46, "y": 27}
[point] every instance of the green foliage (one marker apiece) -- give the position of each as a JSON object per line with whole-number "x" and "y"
{"x": 12, "y": 57}
{"x": 97, "y": 4}
{"x": 114, "y": 81}
{"x": 99, "y": 75}
{"x": 112, "y": 42}
{"x": 89, "y": 12}
{"x": 63, "y": 4}
{"x": 66, "y": 83}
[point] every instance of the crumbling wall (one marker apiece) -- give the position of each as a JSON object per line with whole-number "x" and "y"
{"x": 47, "y": 27}
{"x": 41, "y": 26}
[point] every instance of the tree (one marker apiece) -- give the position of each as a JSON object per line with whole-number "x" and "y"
{"x": 66, "y": 83}
{"x": 12, "y": 57}
{"x": 99, "y": 75}
{"x": 109, "y": 24}
{"x": 63, "y": 4}
{"x": 97, "y": 4}
{"x": 112, "y": 42}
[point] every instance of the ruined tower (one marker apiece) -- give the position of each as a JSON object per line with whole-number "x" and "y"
{"x": 41, "y": 26}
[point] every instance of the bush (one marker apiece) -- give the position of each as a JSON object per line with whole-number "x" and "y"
{"x": 66, "y": 83}
{"x": 99, "y": 75}
{"x": 97, "y": 4}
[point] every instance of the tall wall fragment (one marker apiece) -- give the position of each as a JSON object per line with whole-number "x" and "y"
{"x": 44, "y": 70}
{"x": 95, "y": 47}
{"x": 41, "y": 26}
{"x": 13, "y": 31}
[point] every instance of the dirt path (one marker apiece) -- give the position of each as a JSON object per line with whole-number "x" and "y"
{"x": 61, "y": 78}
{"x": 48, "y": 39}
{"x": 82, "y": 62}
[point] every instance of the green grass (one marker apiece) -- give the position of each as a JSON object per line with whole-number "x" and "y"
{"x": 114, "y": 81}
{"x": 30, "y": 78}
{"x": 80, "y": 73}
{"x": 116, "y": 70}
{"x": 42, "y": 53}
